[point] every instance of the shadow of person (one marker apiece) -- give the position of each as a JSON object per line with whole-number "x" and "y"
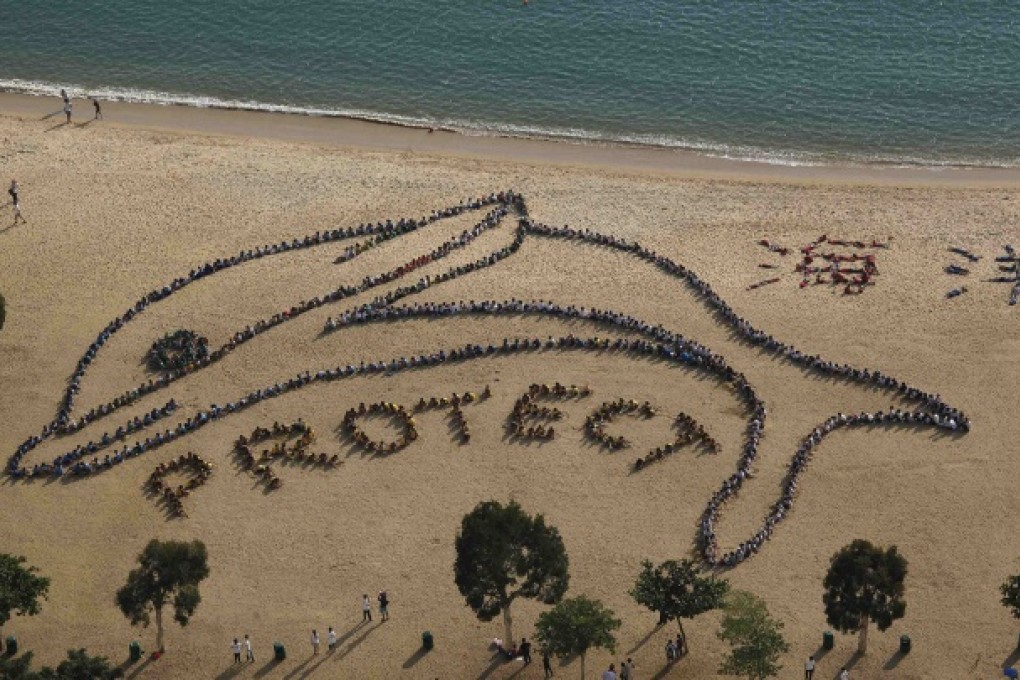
{"x": 266, "y": 669}
{"x": 1011, "y": 660}
{"x": 357, "y": 641}
{"x": 664, "y": 671}
{"x": 297, "y": 669}
{"x": 230, "y": 672}
{"x": 497, "y": 661}
{"x": 51, "y": 114}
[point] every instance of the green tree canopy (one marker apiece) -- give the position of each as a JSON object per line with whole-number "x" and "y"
{"x": 18, "y": 667}
{"x": 1011, "y": 596}
{"x": 503, "y": 554}
{"x": 865, "y": 583}
{"x": 169, "y": 573}
{"x": 677, "y": 591}
{"x": 574, "y": 626}
{"x": 80, "y": 666}
{"x": 20, "y": 588}
{"x": 755, "y": 637}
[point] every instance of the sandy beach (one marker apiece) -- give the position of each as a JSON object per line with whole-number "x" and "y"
{"x": 119, "y": 207}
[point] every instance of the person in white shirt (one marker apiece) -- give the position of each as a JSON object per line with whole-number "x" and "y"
{"x": 809, "y": 668}
{"x": 315, "y": 642}
{"x": 236, "y": 649}
{"x": 844, "y": 674}
{"x": 247, "y": 649}
{"x": 610, "y": 673}
{"x": 366, "y": 608}
{"x": 331, "y": 638}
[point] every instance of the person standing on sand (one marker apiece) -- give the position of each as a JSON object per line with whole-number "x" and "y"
{"x": 67, "y": 110}
{"x": 366, "y": 608}
{"x": 331, "y": 639}
{"x": 99, "y": 110}
{"x": 236, "y": 649}
{"x": 844, "y": 674}
{"x": 247, "y": 649}
{"x": 15, "y": 193}
{"x": 809, "y": 668}
{"x": 547, "y": 664}
{"x": 627, "y": 669}
{"x": 315, "y": 642}
{"x": 384, "y": 604}
{"x": 525, "y": 650}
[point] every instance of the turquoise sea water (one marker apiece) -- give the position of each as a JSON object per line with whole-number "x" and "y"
{"x": 907, "y": 81}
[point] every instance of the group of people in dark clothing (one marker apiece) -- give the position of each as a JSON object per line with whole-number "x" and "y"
{"x": 655, "y": 342}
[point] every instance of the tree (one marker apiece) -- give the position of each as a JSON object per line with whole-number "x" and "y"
{"x": 756, "y": 638}
{"x": 20, "y": 589}
{"x": 18, "y": 668}
{"x": 1011, "y": 597}
{"x": 574, "y": 626}
{"x": 169, "y": 573}
{"x": 503, "y": 554}
{"x": 864, "y": 584}
{"x": 677, "y": 591}
{"x": 80, "y": 666}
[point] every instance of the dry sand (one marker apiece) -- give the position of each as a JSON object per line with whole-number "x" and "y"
{"x": 116, "y": 209}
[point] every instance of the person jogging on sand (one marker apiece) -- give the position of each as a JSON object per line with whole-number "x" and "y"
{"x": 15, "y": 193}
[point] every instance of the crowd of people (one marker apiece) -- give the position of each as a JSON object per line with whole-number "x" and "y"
{"x": 526, "y": 409}
{"x": 177, "y": 350}
{"x": 657, "y": 342}
{"x": 173, "y": 497}
{"x": 689, "y": 431}
{"x": 456, "y": 415}
{"x": 284, "y": 449}
{"x": 395, "y": 412}
{"x": 595, "y": 424}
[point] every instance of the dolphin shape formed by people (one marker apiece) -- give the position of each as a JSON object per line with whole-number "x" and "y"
{"x": 652, "y": 342}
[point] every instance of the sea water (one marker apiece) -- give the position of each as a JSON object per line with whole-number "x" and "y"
{"x": 906, "y": 81}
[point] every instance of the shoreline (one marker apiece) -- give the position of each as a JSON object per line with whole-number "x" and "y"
{"x": 370, "y": 135}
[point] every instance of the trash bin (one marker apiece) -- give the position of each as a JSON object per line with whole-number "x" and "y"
{"x": 279, "y": 652}
{"x": 135, "y": 650}
{"x": 904, "y": 644}
{"x": 12, "y": 645}
{"x": 828, "y": 640}
{"x": 427, "y": 643}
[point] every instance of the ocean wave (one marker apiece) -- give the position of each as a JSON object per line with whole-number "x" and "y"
{"x": 771, "y": 156}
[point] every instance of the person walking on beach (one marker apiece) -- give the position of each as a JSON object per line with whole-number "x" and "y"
{"x": 331, "y": 639}
{"x": 247, "y": 649}
{"x": 525, "y": 650}
{"x": 315, "y": 642}
{"x": 236, "y": 649}
{"x": 627, "y": 669}
{"x": 547, "y": 664}
{"x": 99, "y": 110}
{"x": 366, "y": 608}
{"x": 844, "y": 674}
{"x": 809, "y": 668}
{"x": 67, "y": 110}
{"x": 15, "y": 193}
{"x": 384, "y": 603}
